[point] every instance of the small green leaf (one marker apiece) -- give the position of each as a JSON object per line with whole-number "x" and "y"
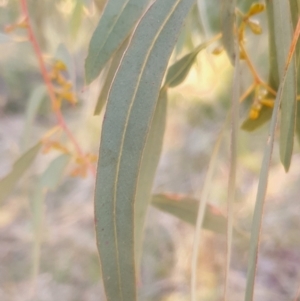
{"x": 34, "y": 103}
{"x": 52, "y": 176}
{"x": 19, "y": 167}
{"x": 251, "y": 125}
{"x": 115, "y": 25}
{"x": 186, "y": 209}
{"x": 109, "y": 77}
{"x": 227, "y": 23}
{"x": 177, "y": 73}
{"x": 130, "y": 109}
{"x": 148, "y": 167}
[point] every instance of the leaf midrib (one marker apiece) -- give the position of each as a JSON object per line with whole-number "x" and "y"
{"x": 108, "y": 34}
{"x": 124, "y": 134}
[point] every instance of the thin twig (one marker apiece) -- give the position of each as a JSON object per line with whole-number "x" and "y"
{"x": 60, "y": 119}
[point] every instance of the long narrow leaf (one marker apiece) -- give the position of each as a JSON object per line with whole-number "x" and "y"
{"x": 128, "y": 116}
{"x": 201, "y": 211}
{"x": 19, "y": 167}
{"x": 147, "y": 171}
{"x": 283, "y": 39}
{"x": 263, "y": 178}
{"x": 109, "y": 77}
{"x": 185, "y": 208}
{"x": 115, "y": 25}
{"x": 233, "y": 162}
{"x": 48, "y": 180}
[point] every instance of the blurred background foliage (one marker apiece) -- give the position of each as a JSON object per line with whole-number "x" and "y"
{"x": 48, "y": 249}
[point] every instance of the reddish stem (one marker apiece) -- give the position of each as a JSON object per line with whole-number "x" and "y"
{"x": 60, "y": 119}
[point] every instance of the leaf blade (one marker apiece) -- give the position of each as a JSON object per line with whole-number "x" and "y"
{"x": 129, "y": 112}
{"x": 177, "y": 73}
{"x": 149, "y": 162}
{"x": 186, "y": 208}
{"x": 283, "y": 40}
{"x": 115, "y": 25}
{"x": 109, "y": 77}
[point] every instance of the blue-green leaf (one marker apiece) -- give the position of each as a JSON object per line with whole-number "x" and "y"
{"x": 179, "y": 70}
{"x": 130, "y": 109}
{"x": 109, "y": 77}
{"x": 115, "y": 25}
{"x": 283, "y": 38}
{"x": 148, "y": 167}
{"x": 186, "y": 209}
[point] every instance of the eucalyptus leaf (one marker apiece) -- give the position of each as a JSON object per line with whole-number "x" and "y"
{"x": 263, "y": 184}
{"x": 252, "y": 124}
{"x": 130, "y": 109}
{"x": 115, "y": 25}
{"x": 34, "y": 103}
{"x": 283, "y": 39}
{"x": 109, "y": 77}
{"x": 19, "y": 167}
{"x": 177, "y": 73}
{"x": 186, "y": 209}
{"x": 148, "y": 167}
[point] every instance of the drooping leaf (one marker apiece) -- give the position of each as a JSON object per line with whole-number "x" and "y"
{"x": 115, "y": 25}
{"x": 131, "y": 105}
{"x": 298, "y": 124}
{"x": 273, "y": 64}
{"x": 295, "y": 9}
{"x": 186, "y": 209}
{"x": 264, "y": 175}
{"x": 20, "y": 166}
{"x": 227, "y": 24}
{"x": 283, "y": 39}
{"x": 147, "y": 171}
{"x": 109, "y": 77}
{"x": 177, "y": 73}
{"x": 48, "y": 180}
{"x": 231, "y": 194}
{"x": 208, "y": 184}
{"x": 34, "y": 103}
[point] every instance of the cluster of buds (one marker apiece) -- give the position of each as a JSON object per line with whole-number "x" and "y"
{"x": 63, "y": 88}
{"x": 260, "y": 100}
{"x": 247, "y": 20}
{"x": 83, "y": 164}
